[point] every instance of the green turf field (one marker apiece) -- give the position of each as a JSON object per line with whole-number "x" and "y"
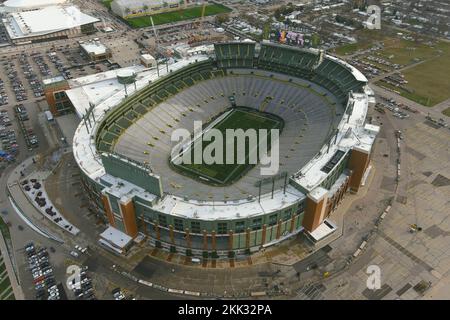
{"x": 238, "y": 118}
{"x": 175, "y": 16}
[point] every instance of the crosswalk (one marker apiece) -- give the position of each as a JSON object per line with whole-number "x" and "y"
{"x": 311, "y": 292}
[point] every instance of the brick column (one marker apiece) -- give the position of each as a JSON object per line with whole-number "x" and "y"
{"x": 291, "y": 229}
{"x": 158, "y": 233}
{"x": 108, "y": 210}
{"x": 279, "y": 229}
{"x": 205, "y": 241}
{"x": 247, "y": 238}
{"x": 230, "y": 240}
{"x": 213, "y": 240}
{"x": 315, "y": 209}
{"x": 263, "y": 236}
{"x": 172, "y": 238}
{"x": 358, "y": 162}
{"x": 129, "y": 218}
{"x": 188, "y": 239}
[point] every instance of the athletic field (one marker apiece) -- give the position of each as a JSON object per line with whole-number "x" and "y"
{"x": 175, "y": 16}
{"x": 225, "y": 174}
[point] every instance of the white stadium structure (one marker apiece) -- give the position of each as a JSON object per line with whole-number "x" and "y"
{"x": 24, "y": 21}
{"x": 122, "y": 147}
{"x": 28, "y": 5}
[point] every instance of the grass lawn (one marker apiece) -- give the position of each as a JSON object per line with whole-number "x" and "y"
{"x": 175, "y": 16}
{"x": 366, "y": 39}
{"x": 351, "y": 48}
{"x": 4, "y": 229}
{"x": 446, "y": 112}
{"x": 406, "y": 52}
{"x": 428, "y": 82}
{"x": 237, "y": 119}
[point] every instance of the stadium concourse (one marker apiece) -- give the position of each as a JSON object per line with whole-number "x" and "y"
{"x": 122, "y": 147}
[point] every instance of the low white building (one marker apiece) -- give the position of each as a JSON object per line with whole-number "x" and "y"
{"x": 115, "y": 240}
{"x": 95, "y": 50}
{"x": 148, "y": 60}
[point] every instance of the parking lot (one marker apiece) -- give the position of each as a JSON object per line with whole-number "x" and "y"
{"x": 31, "y": 139}
{"x": 81, "y": 285}
{"x": 42, "y": 272}
{"x": 9, "y": 147}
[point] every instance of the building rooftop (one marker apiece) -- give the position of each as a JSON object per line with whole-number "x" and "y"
{"x": 53, "y": 80}
{"x": 94, "y": 47}
{"x": 84, "y": 144}
{"x": 352, "y": 133}
{"x": 97, "y": 88}
{"x": 17, "y": 5}
{"x": 57, "y": 18}
{"x": 116, "y": 237}
{"x": 217, "y": 210}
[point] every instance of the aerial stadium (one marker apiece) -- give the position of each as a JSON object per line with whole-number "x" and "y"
{"x": 318, "y": 103}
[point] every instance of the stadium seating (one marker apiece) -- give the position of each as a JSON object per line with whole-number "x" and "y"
{"x": 235, "y": 55}
{"x": 212, "y": 82}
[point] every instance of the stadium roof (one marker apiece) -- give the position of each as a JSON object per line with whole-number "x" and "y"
{"x": 31, "y": 23}
{"x": 352, "y": 134}
{"x": 84, "y": 145}
{"x": 18, "y": 5}
{"x": 96, "y": 88}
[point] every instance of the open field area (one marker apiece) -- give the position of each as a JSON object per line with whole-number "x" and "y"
{"x": 446, "y": 112}
{"x": 236, "y": 119}
{"x": 428, "y": 82}
{"x": 175, "y": 16}
{"x": 405, "y": 52}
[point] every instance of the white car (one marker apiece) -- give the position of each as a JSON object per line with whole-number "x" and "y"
{"x": 74, "y": 254}
{"x": 78, "y": 247}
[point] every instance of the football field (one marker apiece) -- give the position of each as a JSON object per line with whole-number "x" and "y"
{"x": 222, "y": 173}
